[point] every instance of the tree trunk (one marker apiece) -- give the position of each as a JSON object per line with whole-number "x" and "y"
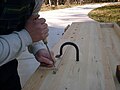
{"x": 50, "y": 3}
{"x": 67, "y": 2}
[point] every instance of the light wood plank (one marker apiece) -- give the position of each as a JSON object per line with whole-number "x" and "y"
{"x": 98, "y": 50}
{"x": 111, "y": 43}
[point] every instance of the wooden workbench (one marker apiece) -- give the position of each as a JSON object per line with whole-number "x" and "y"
{"x": 99, "y": 53}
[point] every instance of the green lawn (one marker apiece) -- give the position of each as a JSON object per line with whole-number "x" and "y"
{"x": 108, "y": 13}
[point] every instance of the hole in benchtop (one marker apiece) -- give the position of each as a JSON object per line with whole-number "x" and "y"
{"x": 106, "y": 25}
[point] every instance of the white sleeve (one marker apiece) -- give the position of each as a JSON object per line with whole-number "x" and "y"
{"x": 37, "y": 45}
{"x": 12, "y": 45}
{"x": 33, "y": 48}
{"x": 38, "y": 4}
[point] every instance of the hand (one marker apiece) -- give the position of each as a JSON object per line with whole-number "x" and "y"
{"x": 44, "y": 58}
{"x": 37, "y": 28}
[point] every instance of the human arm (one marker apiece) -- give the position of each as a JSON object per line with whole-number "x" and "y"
{"x": 34, "y": 47}
{"x": 38, "y": 48}
{"x": 12, "y": 45}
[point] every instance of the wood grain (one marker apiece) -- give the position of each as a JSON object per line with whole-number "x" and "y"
{"x": 99, "y": 55}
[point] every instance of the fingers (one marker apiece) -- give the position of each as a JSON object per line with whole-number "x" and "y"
{"x": 44, "y": 26}
{"x": 40, "y": 20}
{"x": 37, "y": 28}
{"x": 41, "y": 25}
{"x": 45, "y": 65}
{"x": 46, "y": 61}
{"x": 44, "y": 34}
{"x": 34, "y": 17}
{"x": 44, "y": 57}
{"x": 51, "y": 57}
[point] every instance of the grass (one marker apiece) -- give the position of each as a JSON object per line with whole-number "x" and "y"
{"x": 47, "y": 7}
{"x": 108, "y": 13}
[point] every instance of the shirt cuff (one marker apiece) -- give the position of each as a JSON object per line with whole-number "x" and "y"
{"x": 33, "y": 48}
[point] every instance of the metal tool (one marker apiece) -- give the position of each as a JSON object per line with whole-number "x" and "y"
{"x": 69, "y": 43}
{"x": 46, "y": 42}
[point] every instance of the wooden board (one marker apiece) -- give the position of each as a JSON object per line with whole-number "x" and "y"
{"x": 99, "y": 54}
{"x": 111, "y": 42}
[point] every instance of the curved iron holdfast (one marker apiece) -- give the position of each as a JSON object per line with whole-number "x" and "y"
{"x": 69, "y": 43}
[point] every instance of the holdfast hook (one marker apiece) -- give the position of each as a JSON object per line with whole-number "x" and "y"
{"x": 69, "y": 43}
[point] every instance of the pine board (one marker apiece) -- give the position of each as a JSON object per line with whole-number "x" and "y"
{"x": 95, "y": 70}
